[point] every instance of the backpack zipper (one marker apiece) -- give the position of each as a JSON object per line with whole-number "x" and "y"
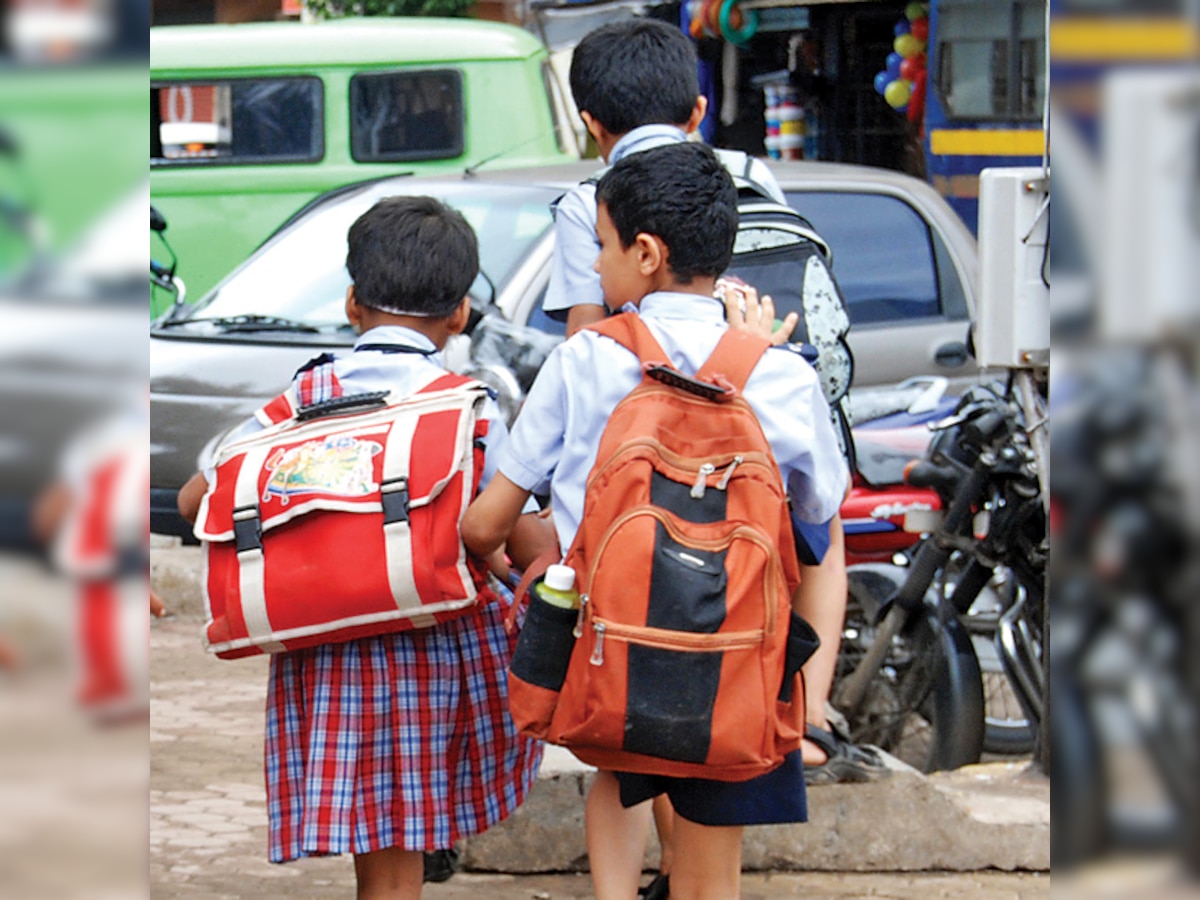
{"x": 687, "y": 466}
{"x": 724, "y": 482}
{"x": 664, "y": 639}
{"x": 772, "y": 574}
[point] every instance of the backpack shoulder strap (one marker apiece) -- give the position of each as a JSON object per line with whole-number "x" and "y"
{"x": 735, "y": 356}
{"x": 628, "y": 330}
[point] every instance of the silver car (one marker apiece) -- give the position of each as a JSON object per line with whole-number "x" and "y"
{"x": 905, "y": 263}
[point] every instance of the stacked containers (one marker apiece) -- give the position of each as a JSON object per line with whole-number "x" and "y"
{"x": 785, "y": 122}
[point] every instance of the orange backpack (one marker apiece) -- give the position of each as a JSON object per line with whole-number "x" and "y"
{"x": 687, "y": 655}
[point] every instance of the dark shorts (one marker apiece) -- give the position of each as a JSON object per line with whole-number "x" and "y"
{"x": 770, "y": 799}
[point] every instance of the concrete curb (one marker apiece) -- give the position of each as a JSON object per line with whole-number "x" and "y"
{"x": 990, "y": 816}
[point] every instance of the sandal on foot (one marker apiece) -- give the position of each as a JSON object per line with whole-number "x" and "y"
{"x": 847, "y": 763}
{"x": 658, "y": 889}
{"x": 440, "y": 865}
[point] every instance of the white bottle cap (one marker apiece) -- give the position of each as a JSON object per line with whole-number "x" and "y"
{"x": 560, "y": 578}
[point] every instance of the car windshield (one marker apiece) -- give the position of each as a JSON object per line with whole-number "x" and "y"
{"x": 300, "y": 275}
{"x": 883, "y": 258}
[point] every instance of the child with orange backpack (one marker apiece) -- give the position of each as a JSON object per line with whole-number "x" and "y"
{"x": 706, "y": 558}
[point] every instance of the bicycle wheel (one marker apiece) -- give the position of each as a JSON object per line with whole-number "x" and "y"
{"x": 925, "y": 703}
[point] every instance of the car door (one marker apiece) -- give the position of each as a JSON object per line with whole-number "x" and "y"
{"x": 907, "y": 294}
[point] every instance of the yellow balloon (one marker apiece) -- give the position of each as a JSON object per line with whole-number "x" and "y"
{"x": 908, "y": 46}
{"x": 898, "y": 93}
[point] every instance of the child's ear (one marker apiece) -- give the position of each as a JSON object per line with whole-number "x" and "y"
{"x": 698, "y": 113}
{"x": 456, "y": 323}
{"x": 652, "y": 253}
{"x": 354, "y": 310}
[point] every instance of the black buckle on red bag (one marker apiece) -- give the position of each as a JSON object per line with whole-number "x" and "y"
{"x": 394, "y": 496}
{"x": 247, "y": 529}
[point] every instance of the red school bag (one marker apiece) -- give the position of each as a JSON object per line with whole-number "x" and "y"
{"x": 340, "y": 520}
{"x": 687, "y": 655}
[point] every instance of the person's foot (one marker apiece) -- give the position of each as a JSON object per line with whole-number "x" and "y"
{"x": 440, "y": 865}
{"x": 658, "y": 889}
{"x": 844, "y": 762}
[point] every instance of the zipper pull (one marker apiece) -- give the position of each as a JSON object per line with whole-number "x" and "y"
{"x": 702, "y": 480}
{"x": 724, "y": 482}
{"x": 577, "y": 631}
{"x": 597, "y": 658}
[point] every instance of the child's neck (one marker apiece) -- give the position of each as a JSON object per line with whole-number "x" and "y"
{"x": 434, "y": 329}
{"x": 702, "y": 286}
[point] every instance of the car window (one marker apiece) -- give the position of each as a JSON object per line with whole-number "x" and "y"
{"x": 406, "y": 115}
{"x": 246, "y": 121}
{"x": 883, "y": 257}
{"x": 301, "y": 273}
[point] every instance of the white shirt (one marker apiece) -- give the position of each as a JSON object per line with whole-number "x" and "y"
{"x": 573, "y": 281}
{"x": 555, "y": 438}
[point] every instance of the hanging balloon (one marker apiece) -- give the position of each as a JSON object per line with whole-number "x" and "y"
{"x": 908, "y": 46}
{"x": 898, "y": 93}
{"x": 920, "y": 28}
{"x": 916, "y": 103}
{"x": 892, "y": 65}
{"x": 912, "y": 67}
{"x": 902, "y": 27}
{"x": 915, "y": 10}
{"x": 882, "y": 80}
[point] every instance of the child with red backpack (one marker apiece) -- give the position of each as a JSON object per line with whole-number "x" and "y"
{"x": 667, "y": 221}
{"x": 390, "y": 745}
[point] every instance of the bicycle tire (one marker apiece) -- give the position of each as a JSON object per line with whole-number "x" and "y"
{"x": 925, "y": 705}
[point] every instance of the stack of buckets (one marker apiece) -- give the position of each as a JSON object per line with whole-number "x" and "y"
{"x": 785, "y": 122}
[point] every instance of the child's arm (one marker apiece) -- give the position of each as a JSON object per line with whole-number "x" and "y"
{"x": 493, "y": 517}
{"x": 579, "y": 317}
{"x": 533, "y": 536}
{"x": 820, "y": 584}
{"x": 190, "y": 496}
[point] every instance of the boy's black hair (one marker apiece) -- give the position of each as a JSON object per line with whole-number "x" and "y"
{"x": 683, "y": 195}
{"x": 412, "y": 256}
{"x": 635, "y": 72}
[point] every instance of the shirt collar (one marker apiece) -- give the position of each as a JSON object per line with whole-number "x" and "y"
{"x": 395, "y": 334}
{"x": 644, "y": 137}
{"x": 671, "y": 305}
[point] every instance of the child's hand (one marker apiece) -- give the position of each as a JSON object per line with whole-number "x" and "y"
{"x": 498, "y": 563}
{"x": 746, "y": 312}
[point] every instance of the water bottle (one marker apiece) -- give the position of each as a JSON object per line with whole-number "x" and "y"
{"x": 547, "y": 638}
{"x": 558, "y": 587}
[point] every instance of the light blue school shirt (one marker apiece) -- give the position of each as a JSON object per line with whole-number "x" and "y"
{"x": 573, "y": 281}
{"x": 554, "y": 441}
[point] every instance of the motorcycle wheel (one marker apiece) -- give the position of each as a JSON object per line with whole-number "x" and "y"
{"x": 1007, "y": 729}
{"x": 925, "y": 705}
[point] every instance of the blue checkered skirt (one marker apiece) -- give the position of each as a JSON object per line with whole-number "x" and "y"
{"x": 402, "y": 740}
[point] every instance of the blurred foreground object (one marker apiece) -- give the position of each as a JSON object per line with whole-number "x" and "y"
{"x": 1124, "y": 260}
{"x": 97, "y": 516}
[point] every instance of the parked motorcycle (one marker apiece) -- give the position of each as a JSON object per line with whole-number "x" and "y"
{"x": 909, "y": 678}
{"x": 163, "y": 276}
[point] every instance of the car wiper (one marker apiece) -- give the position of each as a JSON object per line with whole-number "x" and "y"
{"x": 247, "y": 323}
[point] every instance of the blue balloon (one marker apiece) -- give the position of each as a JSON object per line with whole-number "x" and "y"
{"x": 903, "y": 27}
{"x": 893, "y": 65}
{"x": 881, "y": 82}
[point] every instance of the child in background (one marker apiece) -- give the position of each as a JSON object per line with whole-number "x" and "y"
{"x": 388, "y": 746}
{"x": 635, "y": 85}
{"x": 666, "y": 222}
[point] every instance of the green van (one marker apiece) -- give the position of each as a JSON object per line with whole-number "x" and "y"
{"x": 250, "y": 122}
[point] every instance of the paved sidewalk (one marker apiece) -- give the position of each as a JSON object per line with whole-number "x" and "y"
{"x": 208, "y": 817}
